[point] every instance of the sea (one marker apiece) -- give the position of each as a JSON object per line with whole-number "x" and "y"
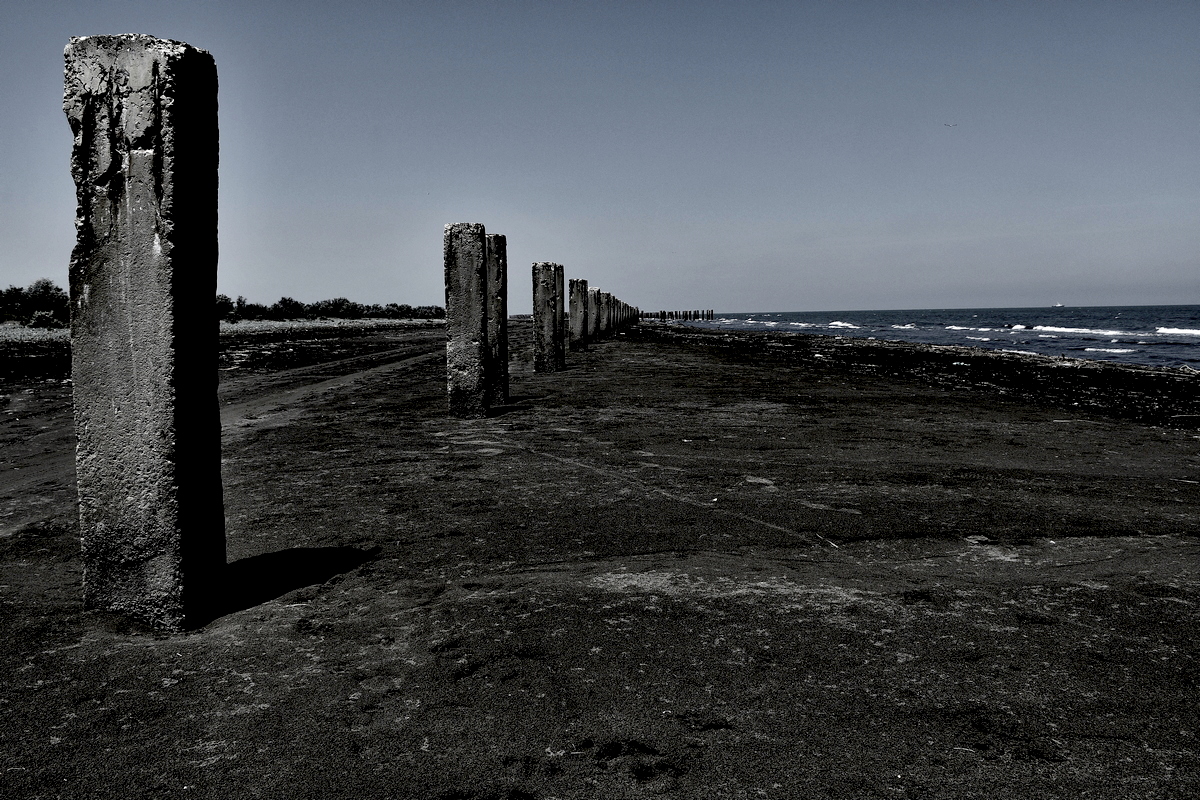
{"x": 1156, "y": 336}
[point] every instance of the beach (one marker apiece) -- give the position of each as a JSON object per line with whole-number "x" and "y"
{"x": 695, "y": 564}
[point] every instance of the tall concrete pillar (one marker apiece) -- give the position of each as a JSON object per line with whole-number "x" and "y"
{"x": 579, "y": 314}
{"x": 143, "y": 278}
{"x": 593, "y": 295}
{"x": 547, "y": 317}
{"x": 464, "y": 256}
{"x": 497, "y": 319}
{"x": 560, "y": 313}
{"x": 605, "y": 313}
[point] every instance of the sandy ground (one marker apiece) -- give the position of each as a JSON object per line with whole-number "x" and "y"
{"x": 684, "y": 567}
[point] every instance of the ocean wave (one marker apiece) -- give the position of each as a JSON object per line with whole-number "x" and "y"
{"x": 980, "y": 338}
{"x": 1179, "y": 331}
{"x": 1109, "y": 350}
{"x": 839, "y": 324}
{"x": 907, "y": 326}
{"x": 1088, "y": 331}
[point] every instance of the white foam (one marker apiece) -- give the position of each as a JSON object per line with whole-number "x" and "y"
{"x": 980, "y": 338}
{"x": 1092, "y": 331}
{"x": 1179, "y": 331}
{"x": 838, "y": 324}
{"x": 903, "y": 327}
{"x": 1109, "y": 350}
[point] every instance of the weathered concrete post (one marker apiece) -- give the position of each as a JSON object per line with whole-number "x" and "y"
{"x": 560, "y": 314}
{"x": 593, "y": 295}
{"x": 497, "y": 319}
{"x": 143, "y": 279}
{"x": 547, "y": 317}
{"x": 605, "y": 314}
{"x": 464, "y": 256}
{"x": 579, "y": 314}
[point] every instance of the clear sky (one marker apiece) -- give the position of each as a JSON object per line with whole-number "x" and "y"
{"x": 738, "y": 156}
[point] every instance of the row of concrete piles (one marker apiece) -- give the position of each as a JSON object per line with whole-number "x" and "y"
{"x": 588, "y": 314}
{"x": 666, "y": 316}
{"x": 476, "y": 274}
{"x": 144, "y": 339}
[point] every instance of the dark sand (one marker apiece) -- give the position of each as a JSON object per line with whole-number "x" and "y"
{"x": 689, "y": 566}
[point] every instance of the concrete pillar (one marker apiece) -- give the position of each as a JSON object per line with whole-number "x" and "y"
{"x": 604, "y": 313}
{"x": 593, "y": 314}
{"x": 497, "y": 319}
{"x": 579, "y": 314}
{"x": 560, "y": 321}
{"x": 143, "y": 278}
{"x": 547, "y": 317}
{"x": 464, "y": 256}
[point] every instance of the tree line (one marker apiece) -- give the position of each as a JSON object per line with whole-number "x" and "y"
{"x": 43, "y": 304}
{"x": 338, "y": 308}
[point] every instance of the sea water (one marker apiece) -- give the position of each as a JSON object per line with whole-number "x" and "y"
{"x": 1158, "y": 336}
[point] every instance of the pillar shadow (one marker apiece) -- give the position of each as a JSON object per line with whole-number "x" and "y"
{"x": 508, "y": 408}
{"x": 252, "y": 581}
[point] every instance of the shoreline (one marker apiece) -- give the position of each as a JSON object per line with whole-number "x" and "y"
{"x": 1151, "y": 395}
{"x": 1161, "y": 336}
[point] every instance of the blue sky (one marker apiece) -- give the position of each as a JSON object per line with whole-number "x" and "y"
{"x": 738, "y": 156}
